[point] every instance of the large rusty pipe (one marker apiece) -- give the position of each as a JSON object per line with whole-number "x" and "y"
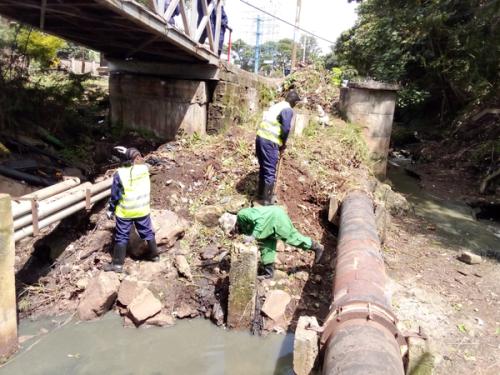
{"x": 360, "y": 335}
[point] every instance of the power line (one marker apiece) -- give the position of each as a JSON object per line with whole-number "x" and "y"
{"x": 288, "y": 23}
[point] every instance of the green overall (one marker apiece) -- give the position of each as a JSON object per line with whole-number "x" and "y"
{"x": 269, "y": 224}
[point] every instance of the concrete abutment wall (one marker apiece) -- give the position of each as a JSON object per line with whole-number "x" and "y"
{"x": 164, "y": 105}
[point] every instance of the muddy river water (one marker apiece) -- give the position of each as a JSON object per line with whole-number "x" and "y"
{"x": 195, "y": 347}
{"x": 453, "y": 220}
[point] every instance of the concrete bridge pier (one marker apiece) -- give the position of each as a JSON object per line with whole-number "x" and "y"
{"x": 371, "y": 104}
{"x": 8, "y": 308}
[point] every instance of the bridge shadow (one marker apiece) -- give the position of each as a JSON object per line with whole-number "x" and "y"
{"x": 317, "y": 293}
{"x": 48, "y": 249}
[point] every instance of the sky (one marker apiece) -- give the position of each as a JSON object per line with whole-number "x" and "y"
{"x": 326, "y": 18}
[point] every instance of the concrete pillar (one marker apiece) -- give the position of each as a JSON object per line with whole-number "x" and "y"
{"x": 161, "y": 106}
{"x": 305, "y": 345}
{"x": 242, "y": 286}
{"x": 371, "y": 105}
{"x": 8, "y": 311}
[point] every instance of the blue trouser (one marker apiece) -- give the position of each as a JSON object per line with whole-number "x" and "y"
{"x": 143, "y": 225}
{"x": 268, "y": 154}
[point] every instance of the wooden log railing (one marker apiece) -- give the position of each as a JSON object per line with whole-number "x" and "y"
{"x": 193, "y": 25}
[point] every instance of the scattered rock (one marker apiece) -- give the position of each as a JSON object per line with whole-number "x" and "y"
{"x": 129, "y": 289}
{"x": 182, "y": 266}
{"x": 161, "y": 320}
{"x": 99, "y": 295}
{"x": 234, "y": 203}
{"x": 24, "y": 338}
{"x": 395, "y": 203}
{"x": 227, "y": 222}
{"x": 217, "y": 314}
{"x": 383, "y": 221}
{"x": 96, "y": 242}
{"x": 275, "y": 304}
{"x": 144, "y": 306}
{"x": 147, "y": 271}
{"x": 280, "y": 275}
{"x": 209, "y": 215}
{"x": 186, "y": 311}
{"x": 302, "y": 275}
{"x": 168, "y": 226}
{"x": 469, "y": 258}
{"x": 209, "y": 252}
{"x": 305, "y": 345}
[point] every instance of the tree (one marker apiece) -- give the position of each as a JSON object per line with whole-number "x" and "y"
{"x": 312, "y": 49}
{"x": 443, "y": 52}
{"x": 330, "y": 59}
{"x": 245, "y": 54}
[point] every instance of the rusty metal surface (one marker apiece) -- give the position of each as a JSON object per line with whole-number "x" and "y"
{"x": 361, "y": 309}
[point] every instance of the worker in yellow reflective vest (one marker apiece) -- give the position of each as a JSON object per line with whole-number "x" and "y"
{"x": 270, "y": 143}
{"x": 130, "y": 198}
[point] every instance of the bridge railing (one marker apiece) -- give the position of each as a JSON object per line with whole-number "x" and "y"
{"x": 195, "y": 18}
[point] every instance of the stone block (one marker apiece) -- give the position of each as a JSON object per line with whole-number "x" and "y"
{"x": 300, "y": 122}
{"x": 469, "y": 258}
{"x": 333, "y": 207}
{"x": 161, "y": 320}
{"x": 129, "y": 289}
{"x": 99, "y": 295}
{"x": 144, "y": 306}
{"x": 242, "y": 286}
{"x": 305, "y": 345}
{"x": 421, "y": 361}
{"x": 275, "y": 304}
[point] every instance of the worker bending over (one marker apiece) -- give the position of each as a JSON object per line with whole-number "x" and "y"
{"x": 130, "y": 198}
{"x": 267, "y": 224}
{"x": 270, "y": 143}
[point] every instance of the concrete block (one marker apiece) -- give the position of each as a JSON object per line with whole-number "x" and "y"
{"x": 305, "y": 345}
{"x": 300, "y": 122}
{"x": 421, "y": 361}
{"x": 275, "y": 304}
{"x": 8, "y": 315}
{"x": 333, "y": 208}
{"x": 242, "y": 286}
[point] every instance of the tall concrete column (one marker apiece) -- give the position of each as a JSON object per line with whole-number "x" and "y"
{"x": 8, "y": 312}
{"x": 371, "y": 105}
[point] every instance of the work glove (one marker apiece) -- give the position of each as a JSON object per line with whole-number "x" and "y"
{"x": 247, "y": 240}
{"x": 110, "y": 214}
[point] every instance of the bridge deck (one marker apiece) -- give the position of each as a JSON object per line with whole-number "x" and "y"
{"x": 120, "y": 29}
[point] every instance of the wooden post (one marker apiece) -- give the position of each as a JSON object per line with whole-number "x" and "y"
{"x": 8, "y": 309}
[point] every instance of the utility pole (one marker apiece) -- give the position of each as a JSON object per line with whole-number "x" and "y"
{"x": 257, "y": 45}
{"x": 297, "y": 22}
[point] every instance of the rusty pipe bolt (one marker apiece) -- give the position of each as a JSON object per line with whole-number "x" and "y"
{"x": 360, "y": 332}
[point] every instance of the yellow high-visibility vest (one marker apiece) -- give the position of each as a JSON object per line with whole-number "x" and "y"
{"x": 135, "y": 200}
{"x": 270, "y": 127}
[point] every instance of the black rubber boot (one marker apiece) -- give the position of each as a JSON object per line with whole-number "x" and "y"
{"x": 153, "y": 255}
{"x": 267, "y": 199}
{"x": 260, "y": 191}
{"x": 318, "y": 250}
{"x": 267, "y": 271}
{"x": 118, "y": 259}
